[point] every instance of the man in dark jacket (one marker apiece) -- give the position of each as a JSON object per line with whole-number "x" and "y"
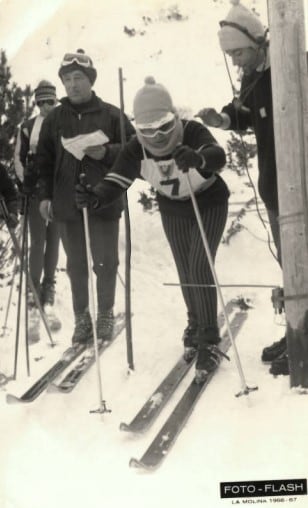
{"x": 44, "y": 236}
{"x": 82, "y": 136}
{"x": 243, "y": 38}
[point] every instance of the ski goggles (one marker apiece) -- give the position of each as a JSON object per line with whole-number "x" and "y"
{"x": 41, "y": 103}
{"x": 163, "y": 126}
{"x": 78, "y": 58}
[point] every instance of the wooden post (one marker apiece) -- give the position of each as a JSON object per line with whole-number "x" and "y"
{"x": 290, "y": 103}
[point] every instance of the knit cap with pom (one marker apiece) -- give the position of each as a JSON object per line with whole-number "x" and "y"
{"x": 152, "y": 105}
{"x": 45, "y": 91}
{"x": 78, "y": 61}
{"x": 231, "y": 37}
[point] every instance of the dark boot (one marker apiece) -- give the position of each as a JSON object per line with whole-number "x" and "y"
{"x": 104, "y": 325}
{"x": 209, "y": 355}
{"x": 190, "y": 339}
{"x": 48, "y": 292}
{"x": 83, "y": 332}
{"x": 270, "y": 353}
{"x": 280, "y": 365}
{"x": 47, "y": 301}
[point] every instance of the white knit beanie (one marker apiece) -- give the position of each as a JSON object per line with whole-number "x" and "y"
{"x": 231, "y": 37}
{"x": 152, "y": 105}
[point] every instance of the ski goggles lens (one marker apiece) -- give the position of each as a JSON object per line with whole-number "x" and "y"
{"x": 41, "y": 103}
{"x": 165, "y": 129}
{"x": 78, "y": 58}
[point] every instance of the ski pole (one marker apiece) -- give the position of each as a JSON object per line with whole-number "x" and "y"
{"x": 8, "y": 305}
{"x": 21, "y": 273}
{"x": 18, "y": 252}
{"x": 128, "y": 321}
{"x": 26, "y": 291}
{"x": 102, "y": 403}
{"x": 245, "y": 388}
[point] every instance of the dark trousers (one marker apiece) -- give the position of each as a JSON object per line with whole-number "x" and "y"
{"x": 104, "y": 248}
{"x": 273, "y": 216}
{"x": 191, "y": 261}
{"x": 44, "y": 245}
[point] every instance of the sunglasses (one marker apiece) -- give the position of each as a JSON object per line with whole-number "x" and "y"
{"x": 165, "y": 129}
{"x": 78, "y": 58}
{"x": 41, "y": 103}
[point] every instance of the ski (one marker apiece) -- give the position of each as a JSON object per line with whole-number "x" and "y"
{"x": 69, "y": 355}
{"x": 72, "y": 378}
{"x": 168, "y": 434}
{"x": 159, "y": 398}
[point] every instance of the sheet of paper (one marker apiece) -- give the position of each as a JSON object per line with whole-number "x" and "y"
{"x": 77, "y": 145}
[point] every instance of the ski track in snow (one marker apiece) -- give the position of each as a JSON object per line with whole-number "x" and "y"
{"x": 53, "y": 451}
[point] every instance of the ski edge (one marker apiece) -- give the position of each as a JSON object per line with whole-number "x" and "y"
{"x": 139, "y": 463}
{"x": 143, "y": 425}
{"x": 140, "y": 426}
{"x": 61, "y": 387}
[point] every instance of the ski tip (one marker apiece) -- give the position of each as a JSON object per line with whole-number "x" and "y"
{"x": 52, "y": 388}
{"x": 139, "y": 464}
{"x": 136, "y": 463}
{"x": 12, "y": 399}
{"x": 124, "y": 426}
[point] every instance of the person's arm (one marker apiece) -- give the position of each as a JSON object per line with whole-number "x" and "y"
{"x": 121, "y": 176}
{"x": 21, "y": 151}
{"x": 113, "y": 149}
{"x": 200, "y": 151}
{"x": 45, "y": 158}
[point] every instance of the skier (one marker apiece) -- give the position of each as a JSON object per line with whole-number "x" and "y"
{"x": 44, "y": 236}
{"x": 243, "y": 38}
{"x": 166, "y": 148}
{"x": 64, "y": 152}
{"x": 9, "y": 199}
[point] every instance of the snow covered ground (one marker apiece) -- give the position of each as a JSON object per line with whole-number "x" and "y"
{"x": 54, "y": 453}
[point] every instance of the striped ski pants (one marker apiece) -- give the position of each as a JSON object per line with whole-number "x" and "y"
{"x": 186, "y": 244}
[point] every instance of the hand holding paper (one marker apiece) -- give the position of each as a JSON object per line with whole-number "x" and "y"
{"x": 96, "y": 152}
{"x": 78, "y": 145}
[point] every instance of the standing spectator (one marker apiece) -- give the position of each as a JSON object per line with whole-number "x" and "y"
{"x": 68, "y": 128}
{"x": 44, "y": 236}
{"x": 243, "y": 37}
{"x": 165, "y": 148}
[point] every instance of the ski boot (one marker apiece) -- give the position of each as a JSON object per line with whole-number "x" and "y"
{"x": 34, "y": 325}
{"x": 280, "y": 366}
{"x": 47, "y": 301}
{"x": 83, "y": 331}
{"x": 190, "y": 338}
{"x": 104, "y": 325}
{"x": 271, "y": 353}
{"x": 209, "y": 354}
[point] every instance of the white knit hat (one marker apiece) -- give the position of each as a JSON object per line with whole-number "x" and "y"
{"x": 241, "y": 29}
{"x": 152, "y": 105}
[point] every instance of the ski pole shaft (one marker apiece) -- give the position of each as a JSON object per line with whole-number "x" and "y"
{"x": 8, "y": 305}
{"x": 212, "y": 267}
{"x": 26, "y": 295}
{"x": 128, "y": 322}
{"x": 21, "y": 273}
{"x": 102, "y": 407}
{"x": 19, "y": 254}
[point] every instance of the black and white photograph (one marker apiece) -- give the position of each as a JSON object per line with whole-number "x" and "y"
{"x": 153, "y": 253}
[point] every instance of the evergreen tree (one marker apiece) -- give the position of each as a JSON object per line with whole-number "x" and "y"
{"x": 15, "y": 106}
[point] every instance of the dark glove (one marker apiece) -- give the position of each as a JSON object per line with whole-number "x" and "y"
{"x": 85, "y": 197}
{"x": 185, "y": 158}
{"x": 29, "y": 183}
